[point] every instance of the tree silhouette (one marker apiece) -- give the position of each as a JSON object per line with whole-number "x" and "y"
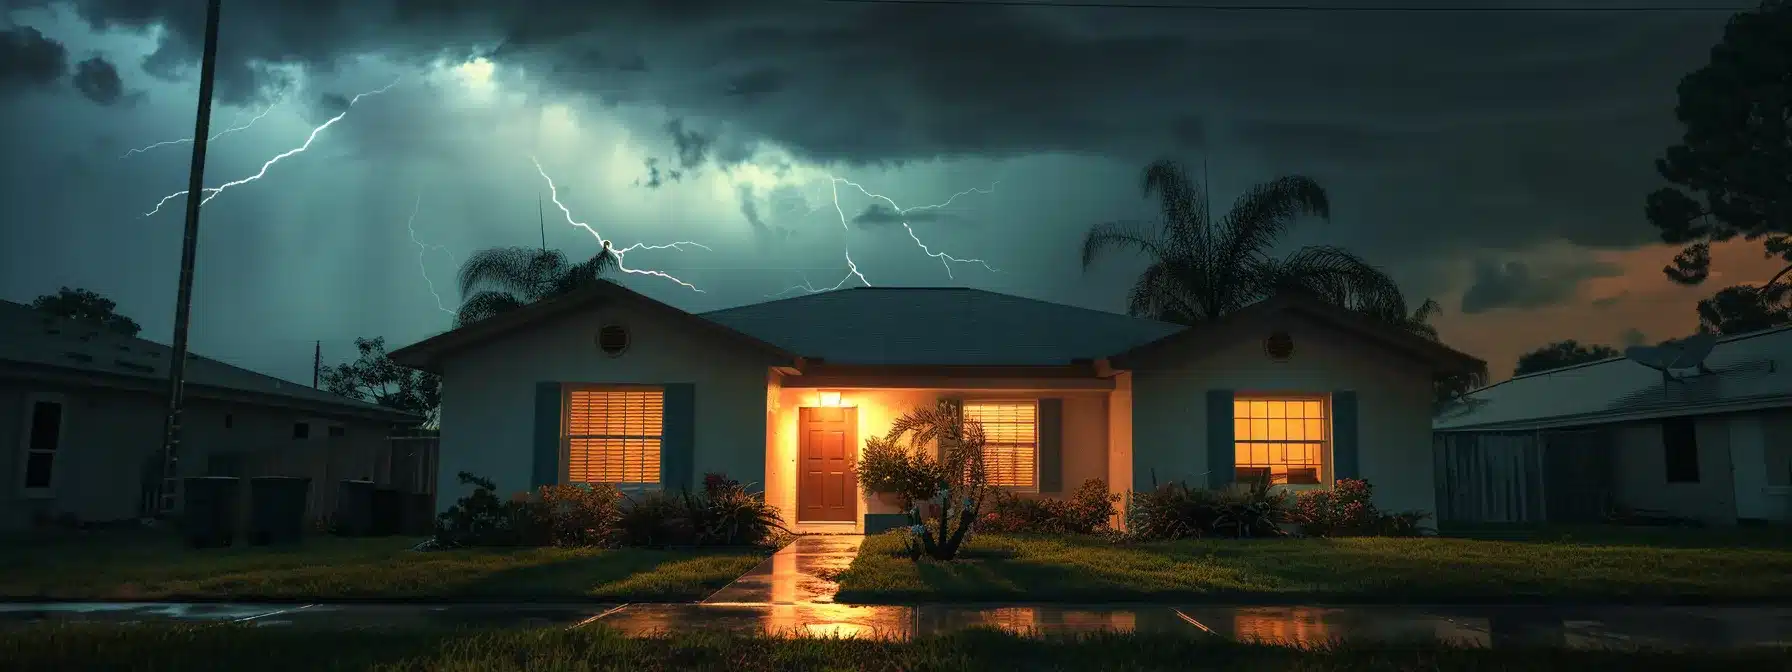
{"x": 85, "y": 306}
{"x": 501, "y": 279}
{"x": 375, "y": 378}
{"x": 1732, "y": 169}
{"x": 1559, "y": 354}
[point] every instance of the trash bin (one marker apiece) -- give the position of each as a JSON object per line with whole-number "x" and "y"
{"x": 419, "y": 514}
{"x": 277, "y": 509}
{"x": 210, "y": 509}
{"x": 354, "y": 508}
{"x": 388, "y": 512}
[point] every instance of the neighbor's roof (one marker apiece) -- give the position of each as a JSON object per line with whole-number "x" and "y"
{"x": 1748, "y": 371}
{"x": 944, "y": 326}
{"x": 32, "y": 338}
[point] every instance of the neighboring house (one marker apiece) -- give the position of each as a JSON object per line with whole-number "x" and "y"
{"x": 82, "y": 415}
{"x": 1572, "y": 444}
{"x": 609, "y": 386}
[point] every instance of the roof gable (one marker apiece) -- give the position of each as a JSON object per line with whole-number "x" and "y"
{"x": 939, "y": 326}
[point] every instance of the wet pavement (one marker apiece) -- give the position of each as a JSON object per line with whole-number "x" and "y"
{"x": 797, "y": 574}
{"x": 1601, "y": 627}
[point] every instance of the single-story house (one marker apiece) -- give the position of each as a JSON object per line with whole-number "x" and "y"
{"x": 609, "y": 386}
{"x": 82, "y": 417}
{"x": 1578, "y": 443}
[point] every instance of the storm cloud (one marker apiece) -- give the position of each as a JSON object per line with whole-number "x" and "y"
{"x": 1515, "y": 284}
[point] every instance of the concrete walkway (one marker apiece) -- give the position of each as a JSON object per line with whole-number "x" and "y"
{"x": 791, "y": 593}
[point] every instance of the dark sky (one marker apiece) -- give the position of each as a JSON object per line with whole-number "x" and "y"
{"x": 1494, "y": 161}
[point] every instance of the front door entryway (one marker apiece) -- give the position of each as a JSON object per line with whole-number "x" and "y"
{"x": 827, "y": 448}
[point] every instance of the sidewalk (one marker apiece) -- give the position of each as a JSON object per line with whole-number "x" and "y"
{"x": 789, "y": 593}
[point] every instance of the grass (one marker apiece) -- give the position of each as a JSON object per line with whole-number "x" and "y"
{"x": 1362, "y": 570}
{"x": 162, "y": 647}
{"x": 130, "y": 566}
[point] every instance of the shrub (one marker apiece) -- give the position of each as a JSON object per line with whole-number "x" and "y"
{"x": 582, "y": 514}
{"x": 1348, "y": 509}
{"x": 1177, "y": 511}
{"x": 482, "y": 519}
{"x": 723, "y": 514}
{"x": 727, "y": 515}
{"x": 1088, "y": 511}
{"x": 889, "y": 467}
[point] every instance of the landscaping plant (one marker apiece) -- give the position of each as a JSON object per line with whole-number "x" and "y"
{"x": 958, "y": 476}
{"x": 1089, "y": 510}
{"x": 1176, "y": 511}
{"x": 892, "y": 467}
{"x": 1348, "y": 509}
{"x": 726, "y": 514}
{"x": 483, "y": 519}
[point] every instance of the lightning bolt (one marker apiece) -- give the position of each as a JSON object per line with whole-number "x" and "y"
{"x": 805, "y": 288}
{"x": 554, "y": 195}
{"x": 213, "y": 192}
{"x": 422, "y": 249}
{"x": 852, "y": 269}
{"x": 233, "y": 129}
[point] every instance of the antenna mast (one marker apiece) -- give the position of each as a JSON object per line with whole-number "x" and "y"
{"x": 541, "y": 222}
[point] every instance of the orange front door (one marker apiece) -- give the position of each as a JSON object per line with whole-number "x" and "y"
{"x": 827, "y": 488}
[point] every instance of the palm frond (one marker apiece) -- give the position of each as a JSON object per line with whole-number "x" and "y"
{"x": 485, "y": 304}
{"x": 1338, "y": 277}
{"x": 584, "y": 273}
{"x": 1262, "y": 215}
{"x": 1183, "y": 204}
{"x": 520, "y": 270}
{"x": 1120, "y": 236}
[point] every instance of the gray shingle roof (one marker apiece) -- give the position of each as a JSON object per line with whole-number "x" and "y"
{"x": 1745, "y": 368}
{"x": 938, "y": 326}
{"x": 29, "y": 337}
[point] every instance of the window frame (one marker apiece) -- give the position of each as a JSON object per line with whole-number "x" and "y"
{"x": 566, "y": 436}
{"x": 964, "y": 407}
{"x": 25, "y": 449}
{"x": 1325, "y": 444}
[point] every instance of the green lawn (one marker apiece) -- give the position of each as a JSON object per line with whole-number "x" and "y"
{"x": 1362, "y": 570}
{"x": 141, "y": 566}
{"x": 160, "y": 647}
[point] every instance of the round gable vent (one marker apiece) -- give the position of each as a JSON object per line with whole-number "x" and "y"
{"x": 613, "y": 339}
{"x": 1279, "y": 346}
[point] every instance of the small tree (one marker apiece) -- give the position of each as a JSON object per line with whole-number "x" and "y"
{"x": 85, "y": 306}
{"x": 375, "y": 378}
{"x": 1559, "y": 354}
{"x": 963, "y": 482}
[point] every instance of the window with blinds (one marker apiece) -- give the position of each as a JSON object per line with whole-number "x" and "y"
{"x": 1011, "y": 441}
{"x": 613, "y": 436}
{"x": 1281, "y": 440}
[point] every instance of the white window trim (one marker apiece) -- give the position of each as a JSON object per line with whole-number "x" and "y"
{"x": 31, "y": 402}
{"x": 567, "y": 437}
{"x": 1034, "y": 488}
{"x": 1325, "y": 466}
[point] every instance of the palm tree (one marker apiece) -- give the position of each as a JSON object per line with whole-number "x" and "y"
{"x": 1201, "y": 269}
{"x": 501, "y": 279}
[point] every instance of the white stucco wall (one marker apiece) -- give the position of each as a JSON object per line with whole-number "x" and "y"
{"x": 1169, "y": 399}
{"x": 1085, "y": 433}
{"x": 1639, "y": 464}
{"x": 488, "y": 393}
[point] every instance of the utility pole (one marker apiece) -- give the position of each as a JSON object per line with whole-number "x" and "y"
{"x": 168, "y": 486}
{"x": 317, "y": 362}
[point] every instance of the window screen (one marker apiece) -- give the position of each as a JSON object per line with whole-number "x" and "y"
{"x": 1011, "y": 441}
{"x": 1281, "y": 439}
{"x": 613, "y": 436}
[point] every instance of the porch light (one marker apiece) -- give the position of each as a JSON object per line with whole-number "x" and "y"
{"x": 830, "y": 398}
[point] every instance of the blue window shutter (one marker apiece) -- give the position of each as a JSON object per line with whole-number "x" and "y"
{"x": 1345, "y": 461}
{"x": 1051, "y": 445}
{"x": 678, "y": 443}
{"x": 549, "y": 411}
{"x": 1220, "y": 451}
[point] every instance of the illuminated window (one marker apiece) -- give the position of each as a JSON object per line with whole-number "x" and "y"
{"x": 1011, "y": 441}
{"x": 613, "y": 436}
{"x": 1283, "y": 439}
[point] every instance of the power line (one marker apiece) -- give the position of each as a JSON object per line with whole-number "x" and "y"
{"x": 1289, "y": 8}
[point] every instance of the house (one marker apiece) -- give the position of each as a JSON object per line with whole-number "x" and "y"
{"x": 1572, "y": 444}
{"x": 607, "y": 385}
{"x": 82, "y": 416}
